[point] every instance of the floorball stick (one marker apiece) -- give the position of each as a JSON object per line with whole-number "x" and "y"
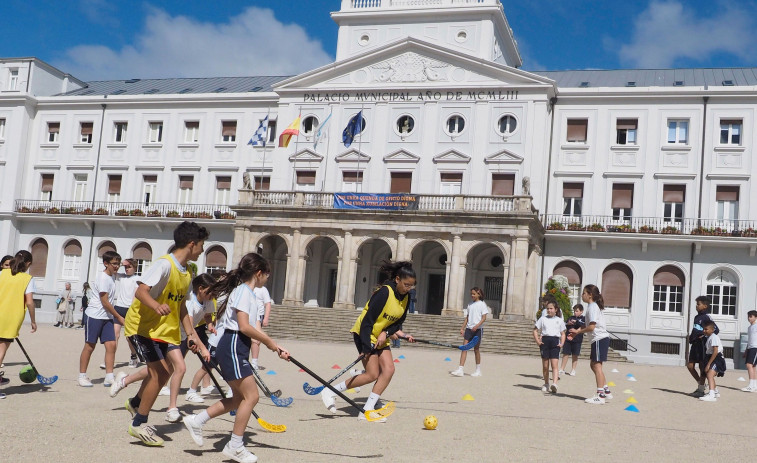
{"x": 468, "y": 346}
{"x": 274, "y": 398}
{"x": 42, "y": 379}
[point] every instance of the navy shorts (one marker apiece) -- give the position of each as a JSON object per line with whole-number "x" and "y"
{"x": 718, "y": 365}
{"x": 572, "y": 347}
{"x": 233, "y": 355}
{"x": 149, "y": 350}
{"x": 121, "y": 310}
{"x": 201, "y": 333}
{"x": 359, "y": 344}
{"x": 98, "y": 328}
{"x": 550, "y": 347}
{"x": 599, "y": 350}
{"x": 471, "y": 334}
{"x": 751, "y": 356}
{"x": 696, "y": 352}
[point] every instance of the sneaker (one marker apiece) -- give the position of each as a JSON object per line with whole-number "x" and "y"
{"x": 608, "y": 394}
{"x": 544, "y": 388}
{"x": 118, "y": 384}
{"x": 107, "y": 382}
{"x": 173, "y": 415}
{"x": 240, "y": 454}
{"x": 709, "y": 398}
{"x": 85, "y": 382}
{"x": 56, "y": 325}
{"x": 553, "y": 388}
{"x": 3, "y": 379}
{"x": 476, "y": 373}
{"x": 596, "y": 400}
{"x": 572, "y": 373}
{"x": 355, "y": 372}
{"x": 133, "y": 362}
{"x": 2, "y": 396}
{"x": 361, "y": 417}
{"x": 717, "y": 393}
{"x": 748, "y": 389}
{"x": 560, "y": 373}
{"x": 699, "y": 392}
{"x": 102, "y": 366}
{"x": 165, "y": 391}
{"x": 79, "y": 327}
{"x": 195, "y": 430}
{"x": 132, "y": 411}
{"x": 458, "y": 372}
{"x": 207, "y": 390}
{"x": 194, "y": 397}
{"x": 146, "y": 434}
{"x": 329, "y": 400}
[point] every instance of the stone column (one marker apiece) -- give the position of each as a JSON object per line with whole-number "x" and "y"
{"x": 459, "y": 302}
{"x": 246, "y": 244}
{"x": 300, "y": 288}
{"x": 532, "y": 283}
{"x": 344, "y": 275}
{"x": 238, "y": 243}
{"x": 518, "y": 273}
{"x": 451, "y": 307}
{"x": 400, "y": 252}
{"x": 293, "y": 258}
{"x": 350, "y": 295}
{"x": 505, "y": 289}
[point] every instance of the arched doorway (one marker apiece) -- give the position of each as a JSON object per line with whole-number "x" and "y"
{"x": 142, "y": 253}
{"x": 370, "y": 255}
{"x": 321, "y": 272}
{"x": 430, "y": 264}
{"x": 275, "y": 250}
{"x": 39, "y": 251}
{"x": 572, "y": 271}
{"x": 216, "y": 261}
{"x": 485, "y": 269}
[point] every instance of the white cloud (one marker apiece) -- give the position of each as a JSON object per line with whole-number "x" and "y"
{"x": 668, "y": 32}
{"x": 251, "y": 43}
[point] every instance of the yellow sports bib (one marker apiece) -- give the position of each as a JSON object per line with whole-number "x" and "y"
{"x": 392, "y": 311}
{"x": 144, "y": 321}
{"x": 12, "y": 307}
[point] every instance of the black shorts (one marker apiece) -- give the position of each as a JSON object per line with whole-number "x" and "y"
{"x": 572, "y": 347}
{"x": 751, "y": 356}
{"x": 202, "y": 333}
{"x": 471, "y": 334}
{"x": 6, "y": 339}
{"x": 696, "y": 352}
{"x": 550, "y": 347}
{"x": 359, "y": 344}
{"x": 121, "y": 310}
{"x": 149, "y": 350}
{"x": 718, "y": 365}
{"x": 599, "y": 350}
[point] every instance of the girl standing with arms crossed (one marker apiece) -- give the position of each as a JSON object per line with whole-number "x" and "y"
{"x": 237, "y": 314}
{"x": 475, "y": 316}
{"x": 600, "y": 340}
{"x": 549, "y": 333}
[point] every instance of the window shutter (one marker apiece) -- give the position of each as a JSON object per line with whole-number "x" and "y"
{"x": 627, "y": 124}
{"x": 186, "y": 182}
{"x": 86, "y": 128}
{"x": 150, "y": 178}
{"x": 452, "y": 177}
{"x": 503, "y": 184}
{"x": 39, "y": 258}
{"x": 730, "y": 121}
{"x": 105, "y": 247}
{"x": 73, "y": 248}
{"x": 724, "y": 193}
{"x": 577, "y": 129}
{"x": 669, "y": 275}
{"x": 569, "y": 270}
{"x": 53, "y": 127}
{"x": 354, "y": 177}
{"x": 192, "y": 124}
{"x": 223, "y": 183}
{"x": 47, "y": 182}
{"x": 228, "y": 128}
{"x": 142, "y": 251}
{"x": 306, "y": 177}
{"x": 114, "y": 184}
{"x": 617, "y": 282}
{"x": 264, "y": 187}
{"x": 573, "y": 190}
{"x": 622, "y": 195}
{"x": 401, "y": 182}
{"x": 673, "y": 193}
{"x": 216, "y": 257}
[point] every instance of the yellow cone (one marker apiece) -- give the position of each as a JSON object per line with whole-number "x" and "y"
{"x": 468, "y": 397}
{"x": 611, "y": 384}
{"x": 631, "y": 400}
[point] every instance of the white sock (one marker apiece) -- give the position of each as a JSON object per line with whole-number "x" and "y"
{"x": 254, "y": 365}
{"x": 236, "y": 441}
{"x": 460, "y": 367}
{"x": 109, "y": 377}
{"x": 341, "y": 387}
{"x": 202, "y": 418}
{"x": 82, "y": 375}
{"x": 370, "y": 404}
{"x": 753, "y": 382}
{"x": 712, "y": 392}
{"x": 478, "y": 367}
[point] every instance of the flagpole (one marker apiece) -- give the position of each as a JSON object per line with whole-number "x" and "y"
{"x": 265, "y": 146}
{"x": 328, "y": 144}
{"x": 359, "y": 146}
{"x": 296, "y": 147}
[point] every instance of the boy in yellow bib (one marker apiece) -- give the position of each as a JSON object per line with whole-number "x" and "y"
{"x": 152, "y": 322}
{"x": 379, "y": 321}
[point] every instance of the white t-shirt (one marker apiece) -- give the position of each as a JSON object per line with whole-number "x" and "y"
{"x": 241, "y": 299}
{"x": 104, "y": 283}
{"x": 550, "y": 326}
{"x": 594, "y": 315}
{"x": 213, "y": 338}
{"x": 475, "y": 312}
{"x": 714, "y": 340}
{"x": 752, "y": 339}
{"x": 197, "y": 310}
{"x": 126, "y": 286}
{"x": 263, "y": 298}
{"x": 30, "y": 287}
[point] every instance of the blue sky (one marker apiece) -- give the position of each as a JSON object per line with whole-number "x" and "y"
{"x": 101, "y": 39}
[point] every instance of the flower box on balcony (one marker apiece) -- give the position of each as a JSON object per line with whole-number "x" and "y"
{"x": 87, "y": 211}
{"x": 556, "y": 226}
{"x": 69, "y": 210}
{"x": 25, "y": 210}
{"x": 53, "y": 210}
{"x": 204, "y": 215}
{"x": 749, "y": 233}
{"x": 173, "y": 214}
{"x": 704, "y": 231}
{"x": 620, "y": 229}
{"x": 647, "y": 229}
{"x": 38, "y": 210}
{"x": 101, "y": 211}
{"x": 576, "y": 227}
{"x": 122, "y": 212}
{"x": 671, "y": 231}
{"x": 596, "y": 227}
{"x": 189, "y": 215}
{"x": 137, "y": 213}
{"x": 226, "y": 215}
{"x": 154, "y": 213}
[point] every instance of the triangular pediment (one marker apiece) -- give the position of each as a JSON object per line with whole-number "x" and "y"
{"x": 452, "y": 156}
{"x": 352, "y": 155}
{"x": 411, "y": 63}
{"x": 503, "y": 157}
{"x": 401, "y": 155}
{"x": 306, "y": 155}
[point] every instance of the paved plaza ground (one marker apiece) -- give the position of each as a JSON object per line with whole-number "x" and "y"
{"x": 509, "y": 420}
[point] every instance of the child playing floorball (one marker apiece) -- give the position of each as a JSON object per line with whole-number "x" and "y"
{"x": 475, "y": 316}
{"x": 600, "y": 340}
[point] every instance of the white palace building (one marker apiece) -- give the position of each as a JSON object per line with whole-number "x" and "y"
{"x": 638, "y": 181}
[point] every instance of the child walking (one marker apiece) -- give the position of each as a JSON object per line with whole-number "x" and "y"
{"x": 237, "y": 314}
{"x": 751, "y": 352}
{"x": 697, "y": 341}
{"x": 475, "y": 316}
{"x": 549, "y": 333}
{"x": 600, "y": 340}
{"x": 572, "y": 346}
{"x": 715, "y": 365}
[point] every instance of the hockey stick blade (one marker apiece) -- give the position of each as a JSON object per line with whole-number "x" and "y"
{"x": 268, "y": 426}
{"x": 469, "y": 345}
{"x": 310, "y": 390}
{"x": 381, "y": 413}
{"x": 274, "y": 398}
{"x": 42, "y": 379}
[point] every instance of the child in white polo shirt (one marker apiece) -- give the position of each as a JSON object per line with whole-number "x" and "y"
{"x": 549, "y": 333}
{"x": 750, "y": 356}
{"x": 715, "y": 361}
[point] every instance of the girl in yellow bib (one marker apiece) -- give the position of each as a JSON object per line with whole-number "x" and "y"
{"x": 16, "y": 295}
{"x": 380, "y": 320}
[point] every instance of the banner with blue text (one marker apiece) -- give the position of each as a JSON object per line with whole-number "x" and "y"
{"x": 391, "y": 202}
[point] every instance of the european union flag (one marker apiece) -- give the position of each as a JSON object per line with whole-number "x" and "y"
{"x": 353, "y": 129}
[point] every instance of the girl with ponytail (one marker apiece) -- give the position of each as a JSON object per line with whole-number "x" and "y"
{"x": 380, "y": 320}
{"x": 600, "y": 340}
{"x": 236, "y": 315}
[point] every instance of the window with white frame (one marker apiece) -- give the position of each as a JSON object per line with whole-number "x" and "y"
{"x": 80, "y": 187}
{"x": 228, "y": 131}
{"x": 673, "y": 198}
{"x": 451, "y": 183}
{"x": 71, "y": 260}
{"x": 352, "y": 181}
{"x": 405, "y": 125}
{"x": 85, "y": 132}
{"x": 305, "y": 180}
{"x": 727, "y": 198}
{"x": 46, "y": 187}
{"x": 186, "y": 185}
{"x": 114, "y": 188}
{"x": 191, "y": 131}
{"x": 119, "y": 132}
{"x": 722, "y": 289}
{"x": 309, "y": 126}
{"x": 271, "y": 131}
{"x": 668, "y": 285}
{"x": 156, "y": 132}
{"x": 506, "y": 125}
{"x": 572, "y": 197}
{"x": 455, "y": 125}
{"x": 622, "y": 201}
{"x": 577, "y": 130}
{"x": 730, "y": 131}
{"x": 53, "y": 132}
{"x": 2, "y": 128}
{"x": 149, "y": 187}
{"x": 13, "y": 81}
{"x": 626, "y": 131}
{"x": 223, "y": 190}
{"x": 678, "y": 131}
{"x": 142, "y": 253}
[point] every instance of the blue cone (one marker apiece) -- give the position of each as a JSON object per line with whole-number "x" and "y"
{"x": 448, "y": 359}
{"x": 401, "y": 357}
{"x": 632, "y": 408}
{"x": 271, "y": 372}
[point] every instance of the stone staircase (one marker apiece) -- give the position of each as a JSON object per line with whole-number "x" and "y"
{"x": 333, "y": 325}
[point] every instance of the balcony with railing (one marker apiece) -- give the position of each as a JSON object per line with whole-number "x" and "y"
{"x": 395, "y": 4}
{"x": 558, "y": 223}
{"x": 124, "y": 209}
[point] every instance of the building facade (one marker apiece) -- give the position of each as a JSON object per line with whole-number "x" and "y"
{"x": 637, "y": 181}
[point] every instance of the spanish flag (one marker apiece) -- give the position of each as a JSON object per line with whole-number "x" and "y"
{"x": 286, "y": 135}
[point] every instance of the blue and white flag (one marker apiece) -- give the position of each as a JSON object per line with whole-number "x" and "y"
{"x": 353, "y": 129}
{"x": 259, "y": 138}
{"x": 322, "y": 132}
